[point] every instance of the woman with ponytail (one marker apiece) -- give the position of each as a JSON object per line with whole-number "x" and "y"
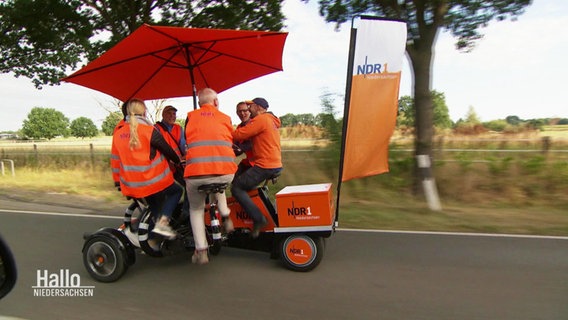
{"x": 144, "y": 169}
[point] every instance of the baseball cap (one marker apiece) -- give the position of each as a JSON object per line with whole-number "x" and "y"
{"x": 258, "y": 101}
{"x": 168, "y": 108}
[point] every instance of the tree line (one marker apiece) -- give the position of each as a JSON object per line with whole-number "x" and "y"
{"x": 48, "y": 123}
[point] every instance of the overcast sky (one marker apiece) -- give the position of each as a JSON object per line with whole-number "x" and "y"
{"x": 518, "y": 68}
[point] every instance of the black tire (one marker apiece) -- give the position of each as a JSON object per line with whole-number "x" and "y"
{"x": 104, "y": 259}
{"x": 215, "y": 248}
{"x": 214, "y": 245}
{"x": 300, "y": 252}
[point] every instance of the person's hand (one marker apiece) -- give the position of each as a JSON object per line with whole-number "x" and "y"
{"x": 117, "y": 185}
{"x": 238, "y": 151}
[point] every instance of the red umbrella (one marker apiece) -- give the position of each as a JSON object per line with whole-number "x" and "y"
{"x": 165, "y": 62}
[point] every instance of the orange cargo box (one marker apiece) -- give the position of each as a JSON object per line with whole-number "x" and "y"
{"x": 305, "y": 205}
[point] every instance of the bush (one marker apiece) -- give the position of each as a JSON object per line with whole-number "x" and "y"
{"x": 496, "y": 125}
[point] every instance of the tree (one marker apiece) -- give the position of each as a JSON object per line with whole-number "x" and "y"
{"x": 42, "y": 39}
{"x": 406, "y": 112}
{"x": 471, "y": 125}
{"x": 332, "y": 130}
{"x": 45, "y": 123}
{"x": 471, "y": 117}
{"x": 331, "y": 126}
{"x": 83, "y": 127}
{"x": 513, "y": 120}
{"x": 306, "y": 119}
{"x": 441, "y": 114}
{"x": 289, "y": 120}
{"x": 110, "y": 122}
{"x": 424, "y": 20}
{"x": 441, "y": 118}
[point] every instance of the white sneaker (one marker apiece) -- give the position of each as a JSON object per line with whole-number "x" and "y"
{"x": 163, "y": 228}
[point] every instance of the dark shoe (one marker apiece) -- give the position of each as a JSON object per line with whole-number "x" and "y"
{"x": 257, "y": 226}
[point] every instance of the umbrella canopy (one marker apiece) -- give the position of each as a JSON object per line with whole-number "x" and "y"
{"x": 156, "y": 62}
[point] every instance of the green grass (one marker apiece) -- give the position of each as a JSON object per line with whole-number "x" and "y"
{"x": 492, "y": 192}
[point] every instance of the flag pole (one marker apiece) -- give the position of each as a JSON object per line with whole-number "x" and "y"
{"x": 348, "y": 81}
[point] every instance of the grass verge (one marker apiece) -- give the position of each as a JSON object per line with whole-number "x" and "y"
{"x": 387, "y": 210}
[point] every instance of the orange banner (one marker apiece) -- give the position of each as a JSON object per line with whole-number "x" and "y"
{"x": 373, "y": 103}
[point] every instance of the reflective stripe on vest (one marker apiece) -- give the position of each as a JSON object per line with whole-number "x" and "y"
{"x": 209, "y": 143}
{"x": 147, "y": 182}
{"x": 156, "y": 162}
{"x": 210, "y": 159}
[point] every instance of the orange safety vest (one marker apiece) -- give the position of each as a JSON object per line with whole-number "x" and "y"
{"x": 209, "y": 141}
{"x": 114, "y": 158}
{"x": 171, "y": 137}
{"x": 140, "y": 176}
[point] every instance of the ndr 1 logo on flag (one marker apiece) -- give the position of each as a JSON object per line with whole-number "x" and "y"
{"x": 61, "y": 284}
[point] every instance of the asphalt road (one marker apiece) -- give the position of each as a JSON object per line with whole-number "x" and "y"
{"x": 363, "y": 275}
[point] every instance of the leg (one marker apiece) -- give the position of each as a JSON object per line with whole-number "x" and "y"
{"x": 172, "y": 195}
{"x": 244, "y": 165}
{"x": 222, "y": 197}
{"x": 245, "y": 182}
{"x": 248, "y": 181}
{"x": 222, "y": 206}
{"x": 161, "y": 206}
{"x": 196, "y": 213}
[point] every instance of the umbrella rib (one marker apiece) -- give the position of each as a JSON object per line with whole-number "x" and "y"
{"x": 213, "y": 42}
{"x": 166, "y": 61}
{"x": 219, "y": 54}
{"x": 153, "y": 53}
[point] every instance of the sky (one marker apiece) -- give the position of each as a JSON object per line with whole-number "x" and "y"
{"x": 518, "y": 68}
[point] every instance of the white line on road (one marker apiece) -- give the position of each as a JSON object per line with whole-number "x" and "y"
{"x": 440, "y": 233}
{"x": 43, "y": 213}
{"x": 494, "y": 235}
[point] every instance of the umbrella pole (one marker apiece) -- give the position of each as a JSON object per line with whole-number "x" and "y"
{"x": 194, "y": 94}
{"x": 191, "y": 76}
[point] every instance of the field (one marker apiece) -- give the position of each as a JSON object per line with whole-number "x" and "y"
{"x": 494, "y": 184}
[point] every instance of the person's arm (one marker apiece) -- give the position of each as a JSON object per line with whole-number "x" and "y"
{"x": 182, "y": 143}
{"x": 254, "y": 127}
{"x": 115, "y": 164}
{"x": 159, "y": 143}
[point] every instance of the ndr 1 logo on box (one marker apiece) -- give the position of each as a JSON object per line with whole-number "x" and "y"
{"x": 62, "y": 284}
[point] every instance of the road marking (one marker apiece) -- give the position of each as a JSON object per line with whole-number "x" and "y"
{"x": 442, "y": 233}
{"x": 81, "y": 215}
{"x": 439, "y": 233}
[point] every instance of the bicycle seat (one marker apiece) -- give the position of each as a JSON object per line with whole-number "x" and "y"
{"x": 273, "y": 178}
{"x": 213, "y": 188}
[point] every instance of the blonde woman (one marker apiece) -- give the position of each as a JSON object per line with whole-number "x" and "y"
{"x": 144, "y": 170}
